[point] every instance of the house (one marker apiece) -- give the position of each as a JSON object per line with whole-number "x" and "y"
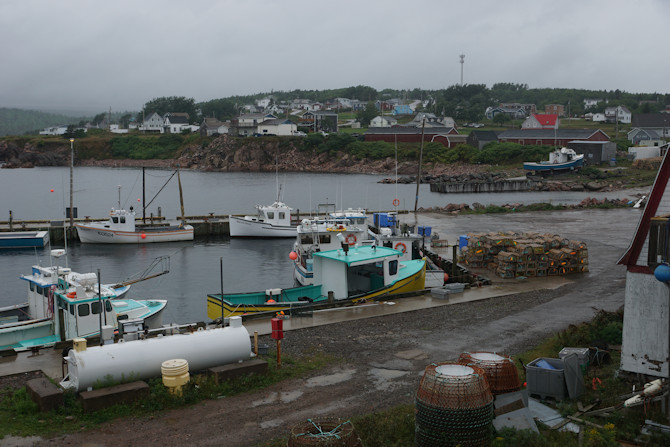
{"x": 264, "y": 103}
{"x": 480, "y": 138}
{"x": 658, "y": 122}
{"x": 431, "y": 120}
{"x": 278, "y": 126}
{"x": 247, "y": 124}
{"x": 595, "y": 152}
{"x": 513, "y": 113}
{"x": 644, "y": 137}
{"x": 154, "y": 124}
{"x": 448, "y": 136}
{"x": 537, "y": 121}
{"x": 645, "y": 347}
{"x": 212, "y": 126}
{"x": 175, "y": 122}
{"x": 528, "y": 109}
{"x": 402, "y": 109}
{"x": 598, "y": 118}
{"x": 618, "y": 113}
{"x": 114, "y": 128}
{"x": 551, "y": 137}
{"x": 383, "y": 121}
{"x": 320, "y": 120}
{"x": 554, "y": 109}
{"x": 591, "y": 103}
{"x": 54, "y": 130}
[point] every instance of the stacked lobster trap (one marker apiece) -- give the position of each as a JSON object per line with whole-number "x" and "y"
{"x": 514, "y": 255}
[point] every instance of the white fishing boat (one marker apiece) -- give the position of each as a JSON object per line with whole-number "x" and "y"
{"x": 121, "y": 228}
{"x": 271, "y": 221}
{"x": 564, "y": 159}
{"x": 63, "y": 305}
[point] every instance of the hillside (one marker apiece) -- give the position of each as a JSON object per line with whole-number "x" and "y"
{"x": 21, "y": 122}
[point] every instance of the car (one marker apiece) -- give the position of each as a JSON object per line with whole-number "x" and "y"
{"x": 298, "y": 133}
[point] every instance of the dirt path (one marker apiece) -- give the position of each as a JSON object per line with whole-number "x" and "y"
{"x": 384, "y": 357}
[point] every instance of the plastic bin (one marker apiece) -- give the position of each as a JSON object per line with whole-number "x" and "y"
{"x": 546, "y": 382}
{"x": 582, "y": 355}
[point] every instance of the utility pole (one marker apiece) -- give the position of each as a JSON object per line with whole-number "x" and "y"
{"x": 418, "y": 177}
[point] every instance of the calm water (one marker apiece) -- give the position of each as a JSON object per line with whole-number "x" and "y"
{"x": 195, "y": 266}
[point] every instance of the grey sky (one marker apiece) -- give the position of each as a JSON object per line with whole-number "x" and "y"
{"x": 92, "y": 55}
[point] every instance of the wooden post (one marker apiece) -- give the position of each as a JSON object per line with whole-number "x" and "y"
{"x": 278, "y": 354}
{"x": 454, "y": 260}
{"x": 331, "y": 297}
{"x": 256, "y": 342}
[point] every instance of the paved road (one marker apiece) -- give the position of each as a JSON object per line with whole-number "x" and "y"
{"x": 384, "y": 357}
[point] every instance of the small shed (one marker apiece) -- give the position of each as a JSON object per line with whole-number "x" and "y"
{"x": 595, "y": 152}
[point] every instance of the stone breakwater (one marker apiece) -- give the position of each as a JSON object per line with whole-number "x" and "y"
{"x": 589, "y": 202}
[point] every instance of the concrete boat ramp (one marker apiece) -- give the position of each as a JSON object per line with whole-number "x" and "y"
{"x": 50, "y": 361}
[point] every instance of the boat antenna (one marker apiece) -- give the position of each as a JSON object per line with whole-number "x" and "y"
{"x": 119, "y": 202}
{"x": 144, "y": 201}
{"x": 396, "y": 166}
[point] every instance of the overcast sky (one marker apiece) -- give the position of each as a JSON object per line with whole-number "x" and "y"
{"x": 92, "y": 55}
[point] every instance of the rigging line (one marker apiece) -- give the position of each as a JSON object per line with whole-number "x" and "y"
{"x": 132, "y": 188}
{"x": 159, "y": 191}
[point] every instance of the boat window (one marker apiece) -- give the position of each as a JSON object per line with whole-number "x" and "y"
{"x": 324, "y": 238}
{"x": 281, "y": 215}
{"x": 83, "y": 310}
{"x": 95, "y": 307}
{"x": 393, "y": 267}
{"x": 71, "y": 309}
{"x": 39, "y": 290}
{"x": 115, "y": 219}
{"x": 271, "y": 214}
{"x": 123, "y": 219}
{"x": 108, "y": 306}
{"x": 306, "y": 239}
{"x": 45, "y": 292}
{"x": 32, "y": 286}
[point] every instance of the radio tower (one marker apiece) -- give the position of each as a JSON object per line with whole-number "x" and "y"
{"x": 462, "y": 56}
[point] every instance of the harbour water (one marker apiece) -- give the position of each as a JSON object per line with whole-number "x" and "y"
{"x": 195, "y": 267}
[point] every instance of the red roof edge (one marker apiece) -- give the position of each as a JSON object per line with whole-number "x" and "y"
{"x": 631, "y": 255}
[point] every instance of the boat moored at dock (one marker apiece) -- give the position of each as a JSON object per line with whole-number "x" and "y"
{"x": 347, "y": 275}
{"x": 24, "y": 239}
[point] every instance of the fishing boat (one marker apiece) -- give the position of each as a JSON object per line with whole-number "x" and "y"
{"x": 271, "y": 221}
{"x": 121, "y": 228}
{"x": 322, "y": 234}
{"x": 63, "y": 305}
{"x": 357, "y": 216}
{"x": 24, "y": 239}
{"x": 564, "y": 159}
{"x": 346, "y": 275}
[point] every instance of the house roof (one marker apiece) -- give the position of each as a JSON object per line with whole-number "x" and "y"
{"x": 545, "y": 134}
{"x": 630, "y": 257}
{"x": 407, "y": 130}
{"x": 485, "y": 135}
{"x": 546, "y": 119}
{"x": 276, "y": 122}
{"x": 650, "y": 120}
{"x": 177, "y": 119}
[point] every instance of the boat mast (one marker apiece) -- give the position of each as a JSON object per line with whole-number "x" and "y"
{"x": 418, "y": 177}
{"x": 144, "y": 208}
{"x": 118, "y": 205}
{"x": 181, "y": 199}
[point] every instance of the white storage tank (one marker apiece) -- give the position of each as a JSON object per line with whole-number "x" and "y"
{"x": 142, "y": 359}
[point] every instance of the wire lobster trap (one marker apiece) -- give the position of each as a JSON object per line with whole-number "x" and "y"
{"x": 500, "y": 371}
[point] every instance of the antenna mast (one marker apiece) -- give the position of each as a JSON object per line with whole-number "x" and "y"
{"x": 462, "y": 56}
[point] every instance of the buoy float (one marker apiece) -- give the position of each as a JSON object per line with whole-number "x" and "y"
{"x": 293, "y": 255}
{"x": 351, "y": 239}
{"x": 396, "y": 202}
{"x": 143, "y": 236}
{"x": 270, "y": 301}
{"x": 175, "y": 375}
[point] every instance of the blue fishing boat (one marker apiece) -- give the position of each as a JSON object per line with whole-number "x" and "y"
{"x": 346, "y": 275}
{"x": 564, "y": 159}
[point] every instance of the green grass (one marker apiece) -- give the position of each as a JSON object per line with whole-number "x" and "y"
{"x": 20, "y": 416}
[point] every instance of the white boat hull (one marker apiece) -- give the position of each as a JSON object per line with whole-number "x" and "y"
{"x": 241, "y": 227}
{"x": 95, "y": 235}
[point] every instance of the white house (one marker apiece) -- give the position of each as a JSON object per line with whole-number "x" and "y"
{"x": 598, "y": 118}
{"x": 645, "y": 346}
{"x": 154, "y": 123}
{"x": 264, "y": 102}
{"x": 114, "y": 128}
{"x": 383, "y": 121}
{"x": 175, "y": 123}
{"x": 55, "y": 130}
{"x": 247, "y": 124}
{"x": 591, "y": 103}
{"x": 212, "y": 126}
{"x": 541, "y": 121}
{"x": 279, "y": 126}
{"x": 620, "y": 113}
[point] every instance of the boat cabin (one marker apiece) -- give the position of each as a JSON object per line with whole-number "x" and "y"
{"x": 121, "y": 220}
{"x": 278, "y": 214}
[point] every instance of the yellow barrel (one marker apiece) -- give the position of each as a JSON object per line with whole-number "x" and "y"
{"x": 79, "y": 344}
{"x": 175, "y": 374}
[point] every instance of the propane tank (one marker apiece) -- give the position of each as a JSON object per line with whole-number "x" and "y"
{"x": 142, "y": 359}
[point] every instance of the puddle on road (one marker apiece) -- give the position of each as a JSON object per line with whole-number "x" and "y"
{"x": 274, "y": 397}
{"x": 331, "y": 379}
{"x": 383, "y": 377}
